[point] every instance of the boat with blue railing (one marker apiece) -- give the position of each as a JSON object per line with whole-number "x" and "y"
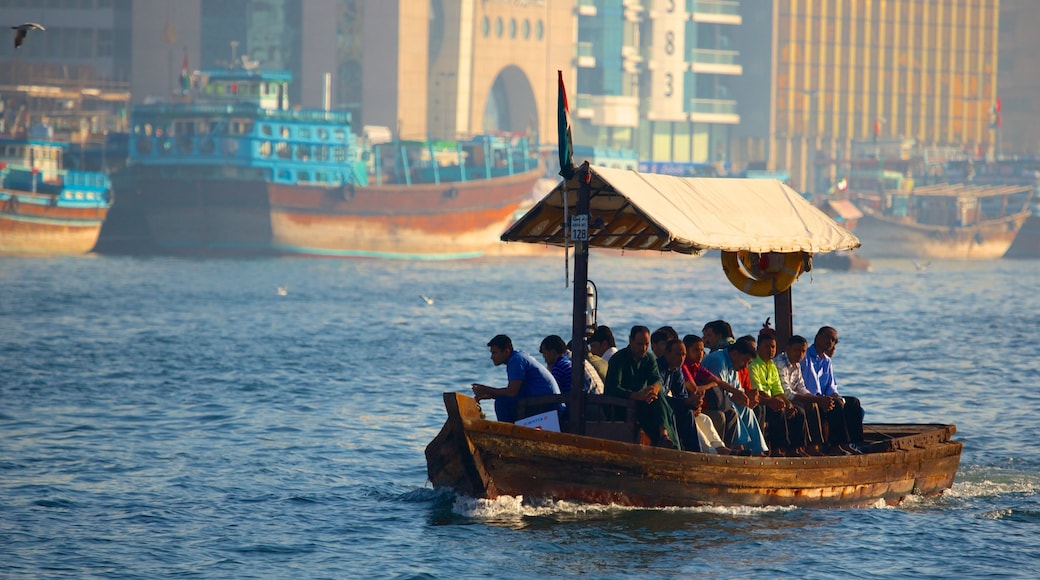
{"x": 44, "y": 208}
{"x": 233, "y": 168}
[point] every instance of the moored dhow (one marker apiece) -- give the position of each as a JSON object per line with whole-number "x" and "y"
{"x": 232, "y": 168}
{"x": 45, "y": 209}
{"x": 943, "y": 221}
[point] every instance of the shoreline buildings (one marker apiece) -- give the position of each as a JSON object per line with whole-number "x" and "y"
{"x": 796, "y": 85}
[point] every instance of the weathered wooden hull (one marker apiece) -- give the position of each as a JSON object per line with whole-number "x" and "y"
{"x": 886, "y": 237}
{"x": 487, "y": 459}
{"x": 451, "y": 220}
{"x": 35, "y": 225}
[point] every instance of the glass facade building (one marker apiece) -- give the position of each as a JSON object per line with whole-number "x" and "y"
{"x": 854, "y": 78}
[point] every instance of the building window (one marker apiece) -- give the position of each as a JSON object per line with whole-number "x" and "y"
{"x": 498, "y": 27}
{"x": 512, "y": 28}
{"x": 485, "y": 26}
{"x": 526, "y": 29}
{"x": 539, "y": 30}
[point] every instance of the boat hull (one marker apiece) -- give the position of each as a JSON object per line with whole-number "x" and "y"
{"x": 1027, "y": 242}
{"x": 434, "y": 221}
{"x": 34, "y": 224}
{"x": 487, "y": 459}
{"x": 885, "y": 237}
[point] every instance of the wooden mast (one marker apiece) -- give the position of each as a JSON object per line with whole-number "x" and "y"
{"x": 580, "y": 237}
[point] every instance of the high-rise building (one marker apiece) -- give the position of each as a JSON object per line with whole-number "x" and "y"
{"x": 657, "y": 76}
{"x": 848, "y": 78}
{"x": 1017, "y": 123}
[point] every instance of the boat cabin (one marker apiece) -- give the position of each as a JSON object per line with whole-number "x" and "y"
{"x": 266, "y": 89}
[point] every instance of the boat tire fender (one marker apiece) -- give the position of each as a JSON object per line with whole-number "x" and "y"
{"x": 12, "y": 204}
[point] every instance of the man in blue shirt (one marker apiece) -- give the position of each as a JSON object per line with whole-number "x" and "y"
{"x": 557, "y": 359}
{"x": 725, "y": 364}
{"x": 527, "y": 378}
{"x": 843, "y": 415}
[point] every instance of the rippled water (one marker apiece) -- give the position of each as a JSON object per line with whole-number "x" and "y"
{"x": 170, "y": 417}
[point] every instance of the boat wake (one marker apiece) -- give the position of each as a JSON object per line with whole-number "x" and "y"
{"x": 988, "y": 482}
{"x": 506, "y": 508}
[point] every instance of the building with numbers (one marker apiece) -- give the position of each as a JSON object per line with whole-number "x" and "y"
{"x": 657, "y": 77}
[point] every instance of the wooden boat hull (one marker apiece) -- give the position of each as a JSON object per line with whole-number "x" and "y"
{"x": 886, "y": 237}
{"x": 36, "y": 225}
{"x": 487, "y": 459}
{"x": 236, "y": 216}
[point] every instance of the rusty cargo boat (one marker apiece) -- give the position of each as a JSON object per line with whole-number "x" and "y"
{"x": 232, "y": 168}
{"x": 44, "y": 208}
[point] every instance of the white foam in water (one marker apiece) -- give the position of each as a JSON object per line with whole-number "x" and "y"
{"x": 514, "y": 507}
{"x": 988, "y": 482}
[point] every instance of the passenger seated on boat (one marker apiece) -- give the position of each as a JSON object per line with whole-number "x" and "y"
{"x": 717, "y": 334}
{"x": 558, "y": 360}
{"x": 715, "y": 404}
{"x": 602, "y": 343}
{"x": 784, "y": 423}
{"x": 790, "y": 371}
{"x": 842, "y": 415}
{"x": 527, "y": 378}
{"x": 659, "y": 339}
{"x": 685, "y": 402}
{"x": 632, "y": 373}
{"x": 593, "y": 375}
{"x": 696, "y": 431}
{"x": 726, "y": 364}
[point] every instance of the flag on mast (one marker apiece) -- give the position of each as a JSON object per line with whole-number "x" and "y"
{"x": 563, "y": 123}
{"x": 185, "y": 76}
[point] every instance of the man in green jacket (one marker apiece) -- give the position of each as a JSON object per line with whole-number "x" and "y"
{"x": 632, "y": 373}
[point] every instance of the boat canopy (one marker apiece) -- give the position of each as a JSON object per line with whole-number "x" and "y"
{"x": 644, "y": 211}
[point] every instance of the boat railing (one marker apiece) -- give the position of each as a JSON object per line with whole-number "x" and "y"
{"x": 241, "y": 109}
{"x": 605, "y": 416}
{"x": 482, "y": 157}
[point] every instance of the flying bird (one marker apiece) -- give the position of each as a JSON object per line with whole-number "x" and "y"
{"x": 922, "y": 267}
{"x": 283, "y": 290}
{"x": 22, "y": 30}
{"x": 426, "y": 299}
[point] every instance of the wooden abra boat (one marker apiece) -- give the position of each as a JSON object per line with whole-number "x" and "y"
{"x": 483, "y": 458}
{"x": 767, "y": 234}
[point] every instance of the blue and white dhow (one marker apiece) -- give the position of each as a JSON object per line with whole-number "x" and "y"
{"x": 232, "y": 168}
{"x": 45, "y": 209}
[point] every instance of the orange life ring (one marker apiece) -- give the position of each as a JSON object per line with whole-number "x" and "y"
{"x": 748, "y": 277}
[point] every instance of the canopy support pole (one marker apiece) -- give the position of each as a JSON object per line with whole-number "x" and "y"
{"x": 576, "y": 406}
{"x": 784, "y": 318}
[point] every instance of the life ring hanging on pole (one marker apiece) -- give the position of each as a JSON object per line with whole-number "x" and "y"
{"x": 746, "y": 276}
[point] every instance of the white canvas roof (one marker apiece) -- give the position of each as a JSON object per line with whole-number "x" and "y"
{"x": 645, "y": 211}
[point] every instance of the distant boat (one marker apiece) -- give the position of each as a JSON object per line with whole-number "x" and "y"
{"x": 232, "y": 168}
{"x": 45, "y": 209}
{"x": 943, "y": 221}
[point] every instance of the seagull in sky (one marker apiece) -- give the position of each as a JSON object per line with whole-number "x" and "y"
{"x": 922, "y": 267}
{"x": 283, "y": 290}
{"x": 426, "y": 299}
{"x": 22, "y": 30}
